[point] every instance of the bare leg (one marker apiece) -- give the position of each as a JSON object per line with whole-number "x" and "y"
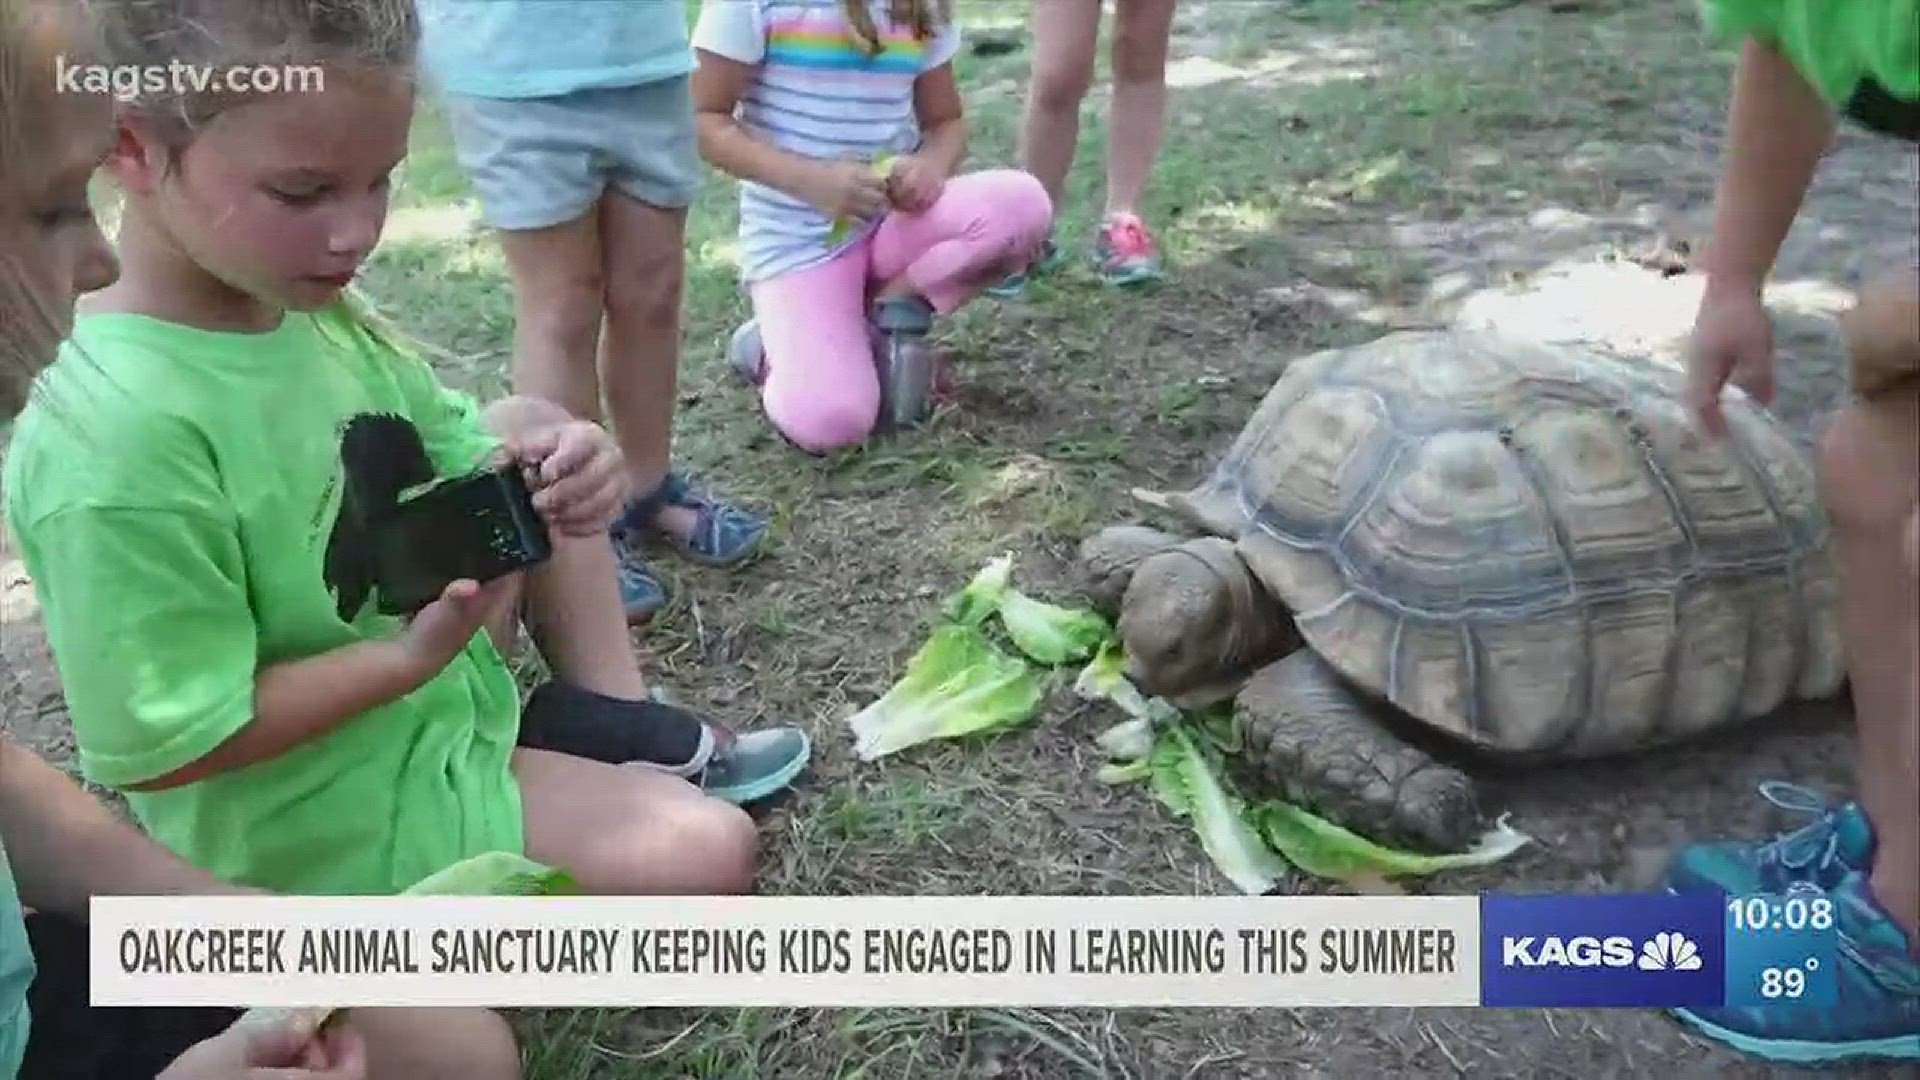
{"x": 1137, "y": 120}
{"x": 632, "y": 831}
{"x": 574, "y": 615}
{"x": 1066, "y": 34}
{"x": 558, "y": 296}
{"x": 644, "y": 268}
{"x": 1871, "y": 478}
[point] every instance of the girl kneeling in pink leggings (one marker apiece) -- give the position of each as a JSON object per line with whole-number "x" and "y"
{"x": 799, "y": 99}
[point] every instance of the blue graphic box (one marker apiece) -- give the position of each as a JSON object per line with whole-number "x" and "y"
{"x": 1631, "y": 950}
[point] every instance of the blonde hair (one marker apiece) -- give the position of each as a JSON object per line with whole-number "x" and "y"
{"x": 380, "y": 36}
{"x": 924, "y": 17}
{"x": 32, "y": 33}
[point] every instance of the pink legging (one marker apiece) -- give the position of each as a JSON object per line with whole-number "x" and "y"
{"x": 822, "y": 389}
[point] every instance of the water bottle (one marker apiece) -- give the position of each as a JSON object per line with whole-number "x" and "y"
{"x": 904, "y": 359}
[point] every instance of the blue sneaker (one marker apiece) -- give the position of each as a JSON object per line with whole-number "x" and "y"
{"x": 723, "y": 534}
{"x": 1838, "y": 841}
{"x": 1877, "y": 1016}
{"x": 747, "y": 767}
{"x": 642, "y": 593}
{"x": 1015, "y": 284}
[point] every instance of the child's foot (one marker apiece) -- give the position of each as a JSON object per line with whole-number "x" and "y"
{"x": 745, "y": 354}
{"x": 746, "y": 768}
{"x": 1878, "y": 1012}
{"x": 1838, "y": 841}
{"x": 1125, "y": 252}
{"x": 651, "y": 734}
{"x": 719, "y": 534}
{"x": 1015, "y": 284}
{"x": 642, "y": 593}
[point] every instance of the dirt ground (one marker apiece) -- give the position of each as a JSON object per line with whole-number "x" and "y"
{"x": 1333, "y": 170}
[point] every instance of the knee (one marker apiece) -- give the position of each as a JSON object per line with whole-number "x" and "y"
{"x": 719, "y": 845}
{"x": 1061, "y": 89}
{"x": 822, "y": 419}
{"x": 566, "y": 304}
{"x": 1867, "y": 473}
{"x": 440, "y": 1044}
{"x": 650, "y": 290}
{"x": 1021, "y": 206}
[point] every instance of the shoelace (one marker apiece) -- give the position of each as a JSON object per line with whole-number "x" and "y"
{"x": 1815, "y": 844}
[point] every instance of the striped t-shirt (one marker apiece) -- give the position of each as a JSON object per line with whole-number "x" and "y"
{"x": 815, "y": 92}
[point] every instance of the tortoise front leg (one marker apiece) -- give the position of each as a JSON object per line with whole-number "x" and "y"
{"x": 1318, "y": 745}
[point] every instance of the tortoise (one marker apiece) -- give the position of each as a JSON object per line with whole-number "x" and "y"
{"x": 1454, "y": 545}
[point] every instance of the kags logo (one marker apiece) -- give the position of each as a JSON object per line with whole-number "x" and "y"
{"x": 1583, "y": 952}
{"x": 1666, "y": 951}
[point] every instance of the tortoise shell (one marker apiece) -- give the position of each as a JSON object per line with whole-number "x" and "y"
{"x": 1527, "y": 546}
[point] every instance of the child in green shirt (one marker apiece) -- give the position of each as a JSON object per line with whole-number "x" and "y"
{"x": 1803, "y": 62}
{"x": 182, "y": 492}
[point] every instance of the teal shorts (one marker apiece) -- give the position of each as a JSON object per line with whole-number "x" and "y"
{"x": 538, "y": 162}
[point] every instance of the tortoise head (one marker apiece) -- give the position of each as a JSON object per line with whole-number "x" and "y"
{"x": 1192, "y": 621}
{"x": 1109, "y": 558}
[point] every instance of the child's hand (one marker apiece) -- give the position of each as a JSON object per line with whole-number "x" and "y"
{"x": 438, "y": 632}
{"x": 914, "y": 183}
{"x": 1732, "y": 342}
{"x": 846, "y": 190}
{"x": 578, "y": 476}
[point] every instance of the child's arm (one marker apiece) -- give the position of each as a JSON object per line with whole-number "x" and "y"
{"x": 297, "y": 701}
{"x": 1777, "y": 129}
{"x": 943, "y": 119}
{"x": 66, "y": 847}
{"x": 917, "y": 178}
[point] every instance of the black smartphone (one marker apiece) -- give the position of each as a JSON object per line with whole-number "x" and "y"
{"x": 479, "y": 526}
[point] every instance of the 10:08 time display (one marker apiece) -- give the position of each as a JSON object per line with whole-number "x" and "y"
{"x": 1795, "y": 913}
{"x": 1781, "y": 950}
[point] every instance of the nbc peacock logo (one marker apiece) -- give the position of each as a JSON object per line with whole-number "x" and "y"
{"x": 1669, "y": 950}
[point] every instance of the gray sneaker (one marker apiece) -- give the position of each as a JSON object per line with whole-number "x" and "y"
{"x": 751, "y": 766}
{"x": 746, "y": 355}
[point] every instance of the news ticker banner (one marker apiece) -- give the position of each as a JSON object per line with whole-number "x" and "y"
{"x": 1636, "y": 950}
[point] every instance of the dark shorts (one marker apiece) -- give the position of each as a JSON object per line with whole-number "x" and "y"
{"x": 72, "y": 1040}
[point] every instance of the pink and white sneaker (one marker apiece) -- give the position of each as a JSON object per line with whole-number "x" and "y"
{"x": 1125, "y": 252}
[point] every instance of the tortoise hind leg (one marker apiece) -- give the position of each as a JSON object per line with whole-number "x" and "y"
{"x": 1313, "y": 740}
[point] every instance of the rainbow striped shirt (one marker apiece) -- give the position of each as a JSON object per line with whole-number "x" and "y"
{"x": 816, "y": 92}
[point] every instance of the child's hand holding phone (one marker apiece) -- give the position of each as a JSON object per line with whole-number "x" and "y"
{"x": 577, "y": 473}
{"x": 438, "y": 632}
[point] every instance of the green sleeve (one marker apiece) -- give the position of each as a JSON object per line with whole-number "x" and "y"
{"x": 148, "y": 617}
{"x": 1835, "y": 44}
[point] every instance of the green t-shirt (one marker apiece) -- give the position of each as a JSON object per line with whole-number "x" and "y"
{"x": 16, "y": 975}
{"x": 175, "y": 493}
{"x": 1838, "y": 45}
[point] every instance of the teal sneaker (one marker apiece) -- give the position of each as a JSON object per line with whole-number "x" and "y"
{"x": 1125, "y": 252}
{"x": 1838, "y": 841}
{"x": 1877, "y": 1016}
{"x": 1015, "y": 284}
{"x": 748, "y": 767}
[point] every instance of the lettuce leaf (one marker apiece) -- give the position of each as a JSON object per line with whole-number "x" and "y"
{"x": 1327, "y": 850}
{"x": 1186, "y": 781}
{"x": 959, "y": 683}
{"x": 1047, "y": 633}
